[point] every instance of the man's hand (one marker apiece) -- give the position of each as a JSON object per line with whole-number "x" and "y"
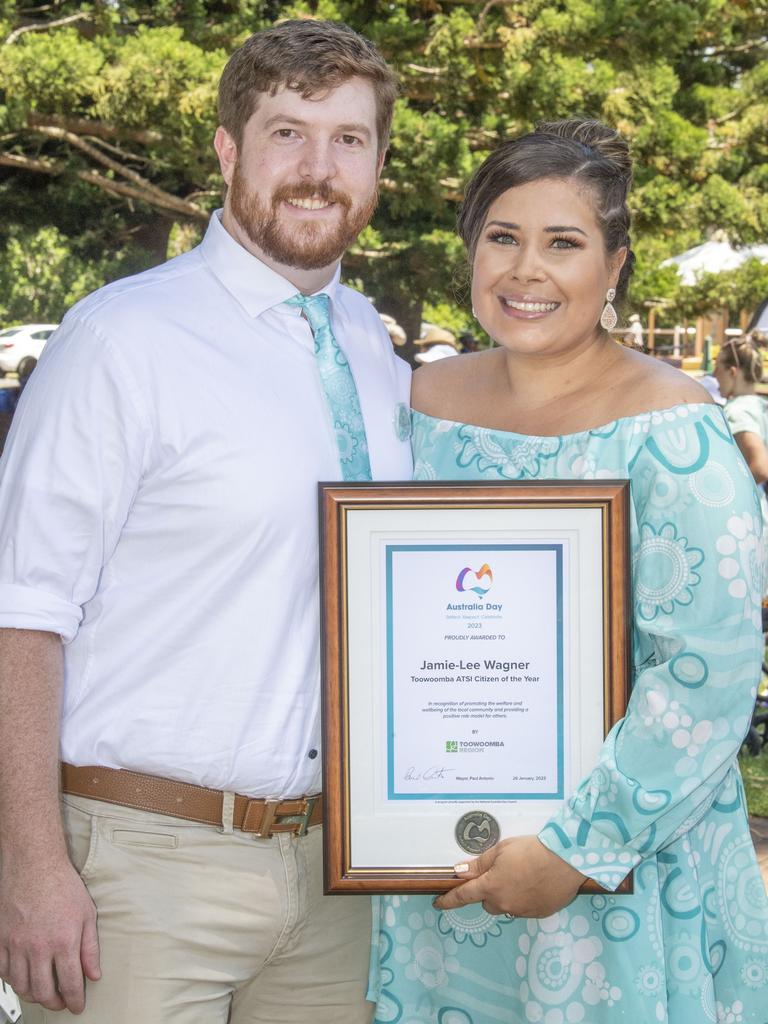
{"x": 517, "y": 876}
{"x": 47, "y": 918}
{"x": 48, "y": 940}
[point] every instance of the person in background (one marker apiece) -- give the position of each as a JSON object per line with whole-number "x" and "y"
{"x": 468, "y": 342}
{"x": 709, "y": 381}
{"x": 436, "y": 344}
{"x": 633, "y": 335}
{"x": 738, "y": 370}
{"x": 546, "y": 224}
{"x": 396, "y": 333}
{"x": 159, "y": 582}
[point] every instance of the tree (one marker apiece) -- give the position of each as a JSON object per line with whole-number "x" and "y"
{"x": 734, "y": 290}
{"x": 107, "y": 110}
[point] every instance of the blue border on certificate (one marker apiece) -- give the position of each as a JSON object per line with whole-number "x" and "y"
{"x": 391, "y": 794}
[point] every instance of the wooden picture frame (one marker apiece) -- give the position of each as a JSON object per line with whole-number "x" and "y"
{"x": 543, "y": 581}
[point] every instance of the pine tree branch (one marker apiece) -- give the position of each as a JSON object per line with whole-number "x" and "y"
{"x": 44, "y": 26}
{"x": 96, "y": 154}
{"x": 164, "y": 202}
{"x": 27, "y": 163}
{"x": 451, "y": 188}
{"x": 725, "y": 51}
{"x": 420, "y": 69}
{"x": 521, "y": 21}
{"x": 154, "y": 197}
{"x": 87, "y": 126}
{"x": 116, "y": 150}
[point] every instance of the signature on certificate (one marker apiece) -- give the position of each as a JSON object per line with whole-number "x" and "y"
{"x": 427, "y": 774}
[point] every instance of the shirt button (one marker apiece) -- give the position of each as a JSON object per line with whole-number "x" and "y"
{"x": 312, "y": 754}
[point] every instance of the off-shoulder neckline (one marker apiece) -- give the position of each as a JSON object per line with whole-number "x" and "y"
{"x": 597, "y": 429}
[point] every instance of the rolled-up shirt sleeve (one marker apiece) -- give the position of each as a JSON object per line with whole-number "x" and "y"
{"x": 69, "y": 474}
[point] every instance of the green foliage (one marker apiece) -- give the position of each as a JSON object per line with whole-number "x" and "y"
{"x": 741, "y": 288}
{"x": 651, "y": 280}
{"x": 43, "y": 273}
{"x": 43, "y": 71}
{"x": 156, "y": 79}
{"x": 755, "y": 774}
{"x": 686, "y": 82}
{"x": 451, "y": 318}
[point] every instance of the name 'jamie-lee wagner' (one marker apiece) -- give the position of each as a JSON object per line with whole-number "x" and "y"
{"x": 489, "y": 664}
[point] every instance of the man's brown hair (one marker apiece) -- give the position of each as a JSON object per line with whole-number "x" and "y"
{"x": 309, "y": 57}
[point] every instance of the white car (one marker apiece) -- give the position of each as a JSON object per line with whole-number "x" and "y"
{"x": 20, "y": 347}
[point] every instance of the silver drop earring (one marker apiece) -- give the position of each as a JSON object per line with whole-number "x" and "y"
{"x": 608, "y": 318}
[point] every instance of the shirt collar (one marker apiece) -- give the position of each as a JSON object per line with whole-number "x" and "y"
{"x": 255, "y": 286}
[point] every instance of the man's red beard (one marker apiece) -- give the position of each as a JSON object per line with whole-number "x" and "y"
{"x": 307, "y": 246}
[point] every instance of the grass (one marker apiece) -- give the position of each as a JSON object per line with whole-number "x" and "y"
{"x": 754, "y": 770}
{"x": 755, "y": 773}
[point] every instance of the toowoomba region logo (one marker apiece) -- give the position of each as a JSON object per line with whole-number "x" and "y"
{"x": 480, "y": 582}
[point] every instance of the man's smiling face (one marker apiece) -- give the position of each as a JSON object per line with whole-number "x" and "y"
{"x": 303, "y": 182}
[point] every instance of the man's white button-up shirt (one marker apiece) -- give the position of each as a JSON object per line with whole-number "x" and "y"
{"x": 158, "y": 509}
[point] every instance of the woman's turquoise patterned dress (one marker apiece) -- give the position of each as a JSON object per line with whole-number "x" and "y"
{"x": 690, "y": 946}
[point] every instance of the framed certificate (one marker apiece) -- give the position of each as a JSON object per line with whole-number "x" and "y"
{"x": 476, "y": 652}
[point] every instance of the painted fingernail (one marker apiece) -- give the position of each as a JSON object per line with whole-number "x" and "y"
{"x": 460, "y": 869}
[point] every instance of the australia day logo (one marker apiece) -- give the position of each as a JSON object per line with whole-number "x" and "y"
{"x": 480, "y": 582}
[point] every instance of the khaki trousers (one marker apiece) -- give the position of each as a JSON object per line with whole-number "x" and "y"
{"x": 201, "y": 926}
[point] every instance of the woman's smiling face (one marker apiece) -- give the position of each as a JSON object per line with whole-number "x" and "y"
{"x": 540, "y": 271}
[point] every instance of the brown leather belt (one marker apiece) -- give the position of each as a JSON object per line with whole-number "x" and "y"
{"x": 195, "y": 803}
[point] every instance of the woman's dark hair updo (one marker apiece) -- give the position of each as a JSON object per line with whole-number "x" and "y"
{"x": 584, "y": 150}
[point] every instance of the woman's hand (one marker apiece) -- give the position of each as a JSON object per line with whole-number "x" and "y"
{"x": 519, "y": 876}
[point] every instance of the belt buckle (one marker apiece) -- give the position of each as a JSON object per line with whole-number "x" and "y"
{"x": 266, "y": 821}
{"x": 300, "y": 822}
{"x": 303, "y": 822}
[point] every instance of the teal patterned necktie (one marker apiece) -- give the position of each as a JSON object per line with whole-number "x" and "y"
{"x": 339, "y": 386}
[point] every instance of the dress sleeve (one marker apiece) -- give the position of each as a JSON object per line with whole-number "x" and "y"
{"x": 697, "y": 578}
{"x": 68, "y": 476}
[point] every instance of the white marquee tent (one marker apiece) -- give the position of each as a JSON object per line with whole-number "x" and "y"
{"x": 714, "y": 256}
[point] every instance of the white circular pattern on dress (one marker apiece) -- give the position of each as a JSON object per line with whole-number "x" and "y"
{"x": 738, "y": 526}
{"x": 428, "y": 963}
{"x": 728, "y": 568}
{"x": 685, "y": 964}
{"x": 712, "y": 486}
{"x": 730, "y": 1014}
{"x": 676, "y": 571}
{"x": 556, "y": 966}
{"x": 725, "y": 545}
{"x": 423, "y": 470}
{"x": 743, "y": 551}
{"x": 689, "y": 669}
{"x": 664, "y": 567}
{"x": 427, "y": 956}
{"x": 708, "y": 999}
{"x": 664, "y": 490}
{"x": 649, "y": 980}
{"x": 754, "y": 974}
{"x": 742, "y": 898}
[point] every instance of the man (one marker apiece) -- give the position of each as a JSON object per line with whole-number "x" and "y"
{"x": 158, "y": 515}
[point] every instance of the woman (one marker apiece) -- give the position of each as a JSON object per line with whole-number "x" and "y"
{"x": 739, "y": 368}
{"x": 546, "y": 225}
